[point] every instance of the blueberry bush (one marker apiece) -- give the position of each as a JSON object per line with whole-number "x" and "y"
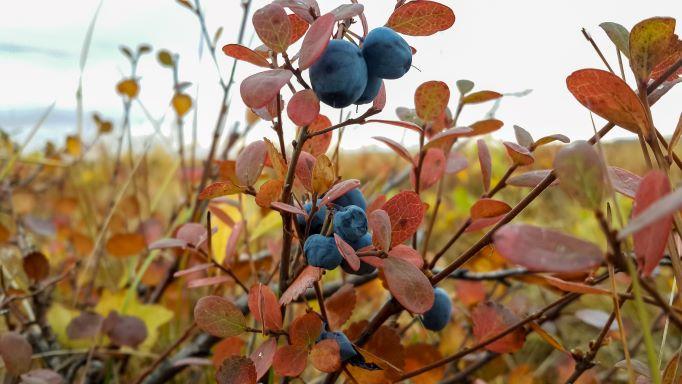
{"x": 275, "y": 261}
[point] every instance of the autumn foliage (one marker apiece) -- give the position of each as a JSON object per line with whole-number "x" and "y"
{"x": 275, "y": 261}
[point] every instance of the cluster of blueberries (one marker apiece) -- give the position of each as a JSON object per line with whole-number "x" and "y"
{"x": 350, "y": 223}
{"x": 346, "y": 74}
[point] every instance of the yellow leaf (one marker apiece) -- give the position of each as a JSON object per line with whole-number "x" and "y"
{"x": 220, "y": 238}
{"x": 182, "y": 103}
{"x": 73, "y": 145}
{"x": 153, "y": 315}
{"x": 59, "y": 317}
{"x": 323, "y": 174}
{"x": 165, "y": 58}
{"x": 128, "y": 87}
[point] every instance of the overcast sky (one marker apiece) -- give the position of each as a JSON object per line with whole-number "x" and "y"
{"x": 502, "y": 45}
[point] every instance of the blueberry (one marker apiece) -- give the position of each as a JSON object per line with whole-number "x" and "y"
{"x": 371, "y": 90}
{"x": 321, "y": 252}
{"x": 365, "y": 269}
{"x": 438, "y": 316}
{"x": 339, "y": 77}
{"x": 388, "y": 55}
{"x": 345, "y": 346}
{"x": 317, "y": 221}
{"x": 352, "y": 197}
{"x": 350, "y": 223}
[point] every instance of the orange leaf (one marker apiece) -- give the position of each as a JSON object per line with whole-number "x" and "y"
{"x": 406, "y": 212}
{"x": 269, "y": 192}
{"x": 430, "y": 99}
{"x": 319, "y": 144}
{"x": 340, "y": 306}
{"x": 305, "y": 329}
{"x": 298, "y": 27}
{"x": 487, "y": 208}
{"x": 326, "y": 356}
{"x": 125, "y": 244}
{"x": 421, "y": 18}
{"x": 243, "y": 53}
{"x": 264, "y": 306}
{"x": 218, "y": 189}
{"x": 489, "y": 320}
{"x": 609, "y": 97}
{"x": 290, "y": 360}
{"x": 236, "y": 370}
{"x": 480, "y": 97}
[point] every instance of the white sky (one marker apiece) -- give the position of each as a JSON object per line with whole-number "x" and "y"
{"x": 503, "y": 45}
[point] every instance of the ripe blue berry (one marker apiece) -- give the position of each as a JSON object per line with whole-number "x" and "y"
{"x": 350, "y": 223}
{"x": 371, "y": 90}
{"x": 439, "y": 315}
{"x": 387, "y": 54}
{"x": 352, "y": 197}
{"x": 339, "y": 77}
{"x": 321, "y": 251}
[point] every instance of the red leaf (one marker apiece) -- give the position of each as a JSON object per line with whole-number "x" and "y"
{"x": 347, "y": 11}
{"x": 290, "y": 360}
{"x": 243, "y": 53}
{"x": 319, "y": 144}
{"x": 396, "y": 147}
{"x": 541, "y": 249}
{"x": 236, "y": 370}
{"x": 651, "y": 241}
{"x": 326, "y": 356}
{"x": 608, "y": 96}
{"x": 402, "y": 124}
{"x": 339, "y": 190}
{"x": 408, "y": 285}
{"x": 380, "y": 224}
{"x": 624, "y": 181}
{"x": 490, "y": 319}
{"x": 455, "y": 163}
{"x": 264, "y": 306}
{"x": 407, "y": 253}
{"x": 520, "y": 155}
{"x": 316, "y": 40}
{"x": 262, "y": 357}
{"x": 421, "y": 18}
{"x": 280, "y": 206}
{"x": 663, "y": 207}
{"x": 380, "y": 100}
{"x": 16, "y": 352}
{"x": 273, "y": 27}
{"x": 192, "y": 233}
{"x": 298, "y": 27}
{"x": 304, "y": 281}
{"x": 196, "y": 268}
{"x": 305, "y": 330}
{"x": 430, "y": 100}
{"x": 209, "y": 281}
{"x": 485, "y": 162}
{"x": 232, "y": 241}
{"x": 219, "y": 317}
{"x": 406, "y": 211}
{"x": 487, "y": 208}
{"x": 304, "y": 169}
{"x": 340, "y": 306}
{"x": 303, "y": 107}
{"x": 229, "y": 347}
{"x": 250, "y": 162}
{"x": 445, "y": 139}
{"x": 168, "y": 243}
{"x": 257, "y": 90}
{"x": 432, "y": 169}
{"x": 478, "y": 224}
{"x": 347, "y": 252}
